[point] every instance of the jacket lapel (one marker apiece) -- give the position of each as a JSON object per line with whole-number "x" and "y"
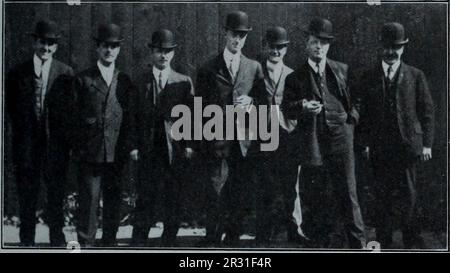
{"x": 52, "y": 73}
{"x": 270, "y": 88}
{"x": 222, "y": 70}
{"x": 307, "y": 73}
{"x": 241, "y": 72}
{"x": 98, "y": 81}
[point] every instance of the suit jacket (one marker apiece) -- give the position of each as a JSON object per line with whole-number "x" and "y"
{"x": 178, "y": 90}
{"x": 20, "y": 101}
{"x": 415, "y": 112}
{"x": 300, "y": 85}
{"x": 215, "y": 86}
{"x": 267, "y": 94}
{"x": 104, "y": 128}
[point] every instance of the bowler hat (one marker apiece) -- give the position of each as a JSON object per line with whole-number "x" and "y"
{"x": 110, "y": 33}
{"x": 163, "y": 38}
{"x": 393, "y": 33}
{"x": 277, "y": 36}
{"x": 46, "y": 29}
{"x": 238, "y": 21}
{"x": 321, "y": 28}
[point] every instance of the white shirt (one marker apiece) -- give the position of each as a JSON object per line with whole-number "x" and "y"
{"x": 395, "y": 67}
{"x": 234, "y": 59}
{"x": 164, "y": 75}
{"x": 274, "y": 70}
{"x": 313, "y": 65}
{"x": 42, "y": 69}
{"x": 107, "y": 72}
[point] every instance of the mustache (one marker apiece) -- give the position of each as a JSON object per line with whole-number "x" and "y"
{"x": 391, "y": 55}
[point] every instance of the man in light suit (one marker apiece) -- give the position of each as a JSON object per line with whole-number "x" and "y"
{"x": 162, "y": 160}
{"x": 277, "y": 171}
{"x": 36, "y": 95}
{"x": 103, "y": 137}
{"x": 317, "y": 96}
{"x": 397, "y": 126}
{"x": 228, "y": 79}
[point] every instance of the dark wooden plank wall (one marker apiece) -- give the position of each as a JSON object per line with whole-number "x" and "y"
{"x": 198, "y": 28}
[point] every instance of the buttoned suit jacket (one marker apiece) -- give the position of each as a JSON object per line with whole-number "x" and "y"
{"x": 20, "y": 102}
{"x": 299, "y": 86}
{"x": 414, "y": 104}
{"x": 104, "y": 129}
{"x": 215, "y": 86}
{"x": 178, "y": 90}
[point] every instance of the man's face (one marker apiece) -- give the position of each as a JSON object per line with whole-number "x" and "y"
{"x": 392, "y": 54}
{"x": 275, "y": 53}
{"x": 235, "y": 40}
{"x": 45, "y": 48}
{"x": 161, "y": 57}
{"x": 317, "y": 48}
{"x": 108, "y": 52}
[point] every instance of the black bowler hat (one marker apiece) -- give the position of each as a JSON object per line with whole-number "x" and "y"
{"x": 109, "y": 33}
{"x": 393, "y": 34}
{"x": 321, "y": 28}
{"x": 237, "y": 21}
{"x": 163, "y": 38}
{"x": 277, "y": 36}
{"x": 47, "y": 30}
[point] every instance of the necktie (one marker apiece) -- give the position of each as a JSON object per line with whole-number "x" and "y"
{"x": 231, "y": 69}
{"x": 160, "y": 82}
{"x": 389, "y": 73}
{"x": 319, "y": 73}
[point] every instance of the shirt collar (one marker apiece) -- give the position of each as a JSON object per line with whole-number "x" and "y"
{"x": 227, "y": 55}
{"x": 39, "y": 65}
{"x": 274, "y": 67}
{"x": 165, "y": 72}
{"x": 313, "y": 65}
{"x": 395, "y": 67}
{"x": 107, "y": 69}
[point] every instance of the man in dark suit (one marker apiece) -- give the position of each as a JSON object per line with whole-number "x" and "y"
{"x": 278, "y": 171}
{"x": 228, "y": 80}
{"x": 317, "y": 95}
{"x": 36, "y": 94}
{"x": 162, "y": 160}
{"x": 103, "y": 139}
{"x": 397, "y": 125}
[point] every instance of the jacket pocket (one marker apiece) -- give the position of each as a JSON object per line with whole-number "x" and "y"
{"x": 418, "y": 128}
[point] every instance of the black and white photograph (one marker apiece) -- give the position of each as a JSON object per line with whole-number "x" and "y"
{"x": 224, "y": 126}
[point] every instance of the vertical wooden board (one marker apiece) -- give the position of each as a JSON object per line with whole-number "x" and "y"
{"x": 253, "y": 43}
{"x": 298, "y": 16}
{"x": 208, "y": 32}
{"x": 81, "y": 41}
{"x": 144, "y": 22}
{"x": 23, "y": 20}
{"x": 122, "y": 15}
{"x": 185, "y": 54}
{"x": 60, "y": 13}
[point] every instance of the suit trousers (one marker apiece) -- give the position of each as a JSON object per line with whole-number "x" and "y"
{"x": 329, "y": 199}
{"x": 157, "y": 177}
{"x": 99, "y": 179}
{"x": 52, "y": 170}
{"x": 395, "y": 191}
{"x": 276, "y": 191}
{"x": 226, "y": 209}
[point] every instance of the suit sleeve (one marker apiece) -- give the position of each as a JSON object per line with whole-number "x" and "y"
{"x": 292, "y": 104}
{"x": 425, "y": 109}
{"x": 353, "y": 115}
{"x": 131, "y": 115}
{"x": 361, "y": 100}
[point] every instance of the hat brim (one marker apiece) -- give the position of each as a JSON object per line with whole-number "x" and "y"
{"x": 279, "y": 43}
{"x": 320, "y": 35}
{"x": 239, "y": 29}
{"x": 171, "y": 46}
{"x": 45, "y": 36}
{"x": 398, "y": 43}
{"x": 109, "y": 40}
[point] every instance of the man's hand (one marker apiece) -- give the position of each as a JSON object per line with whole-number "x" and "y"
{"x": 243, "y": 100}
{"x": 312, "y": 106}
{"x": 426, "y": 154}
{"x": 366, "y": 153}
{"x": 188, "y": 153}
{"x": 134, "y": 155}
